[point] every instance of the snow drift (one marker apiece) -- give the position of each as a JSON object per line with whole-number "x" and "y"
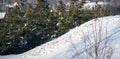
{"x": 71, "y": 45}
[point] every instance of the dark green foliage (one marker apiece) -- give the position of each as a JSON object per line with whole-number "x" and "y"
{"x": 68, "y": 16}
{"x": 24, "y": 28}
{"x": 118, "y": 10}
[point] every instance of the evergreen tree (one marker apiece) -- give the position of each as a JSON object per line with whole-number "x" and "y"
{"x": 24, "y": 28}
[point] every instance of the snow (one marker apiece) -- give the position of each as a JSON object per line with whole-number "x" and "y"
{"x": 12, "y": 5}
{"x": 2, "y": 15}
{"x": 71, "y": 44}
{"x": 90, "y": 5}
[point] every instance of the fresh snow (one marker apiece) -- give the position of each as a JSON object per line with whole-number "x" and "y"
{"x": 71, "y": 44}
{"x": 2, "y": 15}
{"x": 91, "y": 5}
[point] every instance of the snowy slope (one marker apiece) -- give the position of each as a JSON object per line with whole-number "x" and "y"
{"x": 71, "y": 44}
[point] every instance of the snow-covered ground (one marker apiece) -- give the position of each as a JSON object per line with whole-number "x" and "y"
{"x": 71, "y": 45}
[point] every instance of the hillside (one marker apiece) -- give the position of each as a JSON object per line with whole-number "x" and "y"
{"x": 71, "y": 45}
